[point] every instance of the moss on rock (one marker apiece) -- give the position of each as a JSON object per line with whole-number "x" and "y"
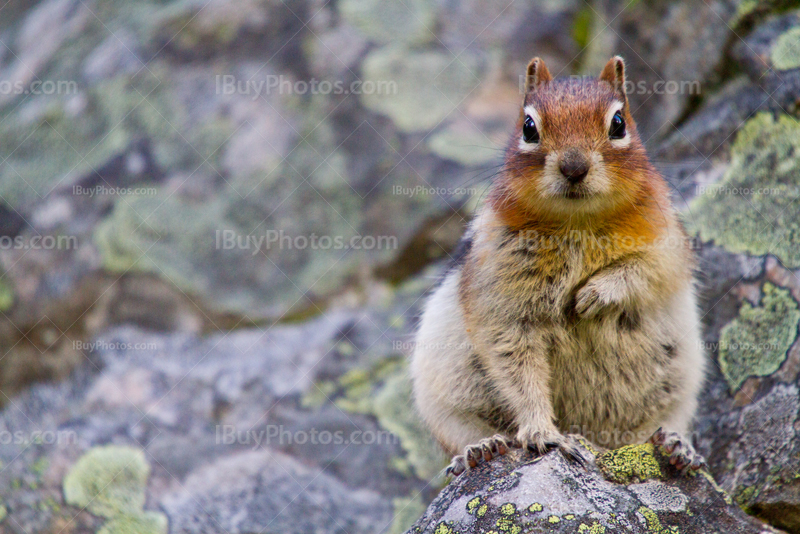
{"x": 754, "y": 208}
{"x": 631, "y": 463}
{"x": 756, "y": 343}
{"x": 108, "y": 481}
{"x": 417, "y": 89}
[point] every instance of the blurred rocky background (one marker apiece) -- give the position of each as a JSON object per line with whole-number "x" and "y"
{"x": 218, "y": 220}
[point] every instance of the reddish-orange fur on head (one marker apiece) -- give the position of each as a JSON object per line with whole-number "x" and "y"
{"x": 572, "y": 116}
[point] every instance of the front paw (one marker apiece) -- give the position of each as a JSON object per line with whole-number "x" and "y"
{"x": 484, "y": 450}
{"x": 541, "y": 441}
{"x": 681, "y": 452}
{"x": 596, "y": 296}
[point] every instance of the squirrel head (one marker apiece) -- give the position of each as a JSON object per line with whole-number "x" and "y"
{"x": 575, "y": 151}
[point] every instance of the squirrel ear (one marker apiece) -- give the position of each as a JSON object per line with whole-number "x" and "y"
{"x": 614, "y": 74}
{"x": 536, "y": 74}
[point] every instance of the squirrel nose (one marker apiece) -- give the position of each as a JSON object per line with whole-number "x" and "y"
{"x": 574, "y": 166}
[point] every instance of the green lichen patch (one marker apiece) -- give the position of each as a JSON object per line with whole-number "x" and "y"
{"x": 754, "y": 208}
{"x": 654, "y": 523}
{"x": 411, "y": 21}
{"x": 508, "y": 509}
{"x": 594, "y": 528}
{"x": 417, "y": 89}
{"x": 785, "y": 53}
{"x": 108, "y": 481}
{"x": 756, "y": 343}
{"x": 144, "y": 523}
{"x": 464, "y": 144}
{"x": 473, "y": 505}
{"x": 632, "y": 463}
{"x": 535, "y": 507}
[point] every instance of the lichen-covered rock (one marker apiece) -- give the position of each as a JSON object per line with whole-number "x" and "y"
{"x": 757, "y": 342}
{"x": 197, "y": 422}
{"x": 517, "y": 493}
{"x": 756, "y": 194}
{"x": 108, "y": 481}
{"x": 417, "y": 89}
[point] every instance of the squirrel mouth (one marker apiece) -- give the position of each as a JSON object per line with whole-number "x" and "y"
{"x": 574, "y": 193}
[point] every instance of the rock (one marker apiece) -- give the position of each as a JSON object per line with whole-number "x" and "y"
{"x": 308, "y": 420}
{"x": 517, "y": 493}
{"x": 251, "y": 491}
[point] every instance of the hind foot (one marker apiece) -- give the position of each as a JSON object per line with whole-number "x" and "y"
{"x": 680, "y": 450}
{"x": 484, "y": 450}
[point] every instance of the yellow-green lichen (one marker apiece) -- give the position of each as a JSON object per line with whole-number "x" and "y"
{"x": 586, "y": 443}
{"x": 443, "y": 528}
{"x": 785, "y": 53}
{"x": 594, "y": 528}
{"x": 654, "y": 523}
{"x": 473, "y": 505}
{"x": 745, "y": 496}
{"x": 535, "y": 507}
{"x": 505, "y": 524}
{"x": 630, "y": 464}
{"x": 756, "y": 343}
{"x": 553, "y": 519}
{"x": 754, "y": 208}
{"x": 108, "y": 481}
{"x": 144, "y": 523}
{"x": 482, "y": 510}
{"x": 508, "y": 509}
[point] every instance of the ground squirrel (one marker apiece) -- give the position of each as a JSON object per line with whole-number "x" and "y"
{"x": 571, "y": 306}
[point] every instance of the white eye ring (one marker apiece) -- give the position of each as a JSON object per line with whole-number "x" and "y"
{"x": 523, "y": 145}
{"x": 612, "y": 110}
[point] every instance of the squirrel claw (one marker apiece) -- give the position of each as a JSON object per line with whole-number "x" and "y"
{"x": 681, "y": 452}
{"x": 483, "y": 451}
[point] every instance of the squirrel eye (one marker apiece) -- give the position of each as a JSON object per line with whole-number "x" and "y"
{"x": 617, "y": 129}
{"x": 529, "y": 132}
